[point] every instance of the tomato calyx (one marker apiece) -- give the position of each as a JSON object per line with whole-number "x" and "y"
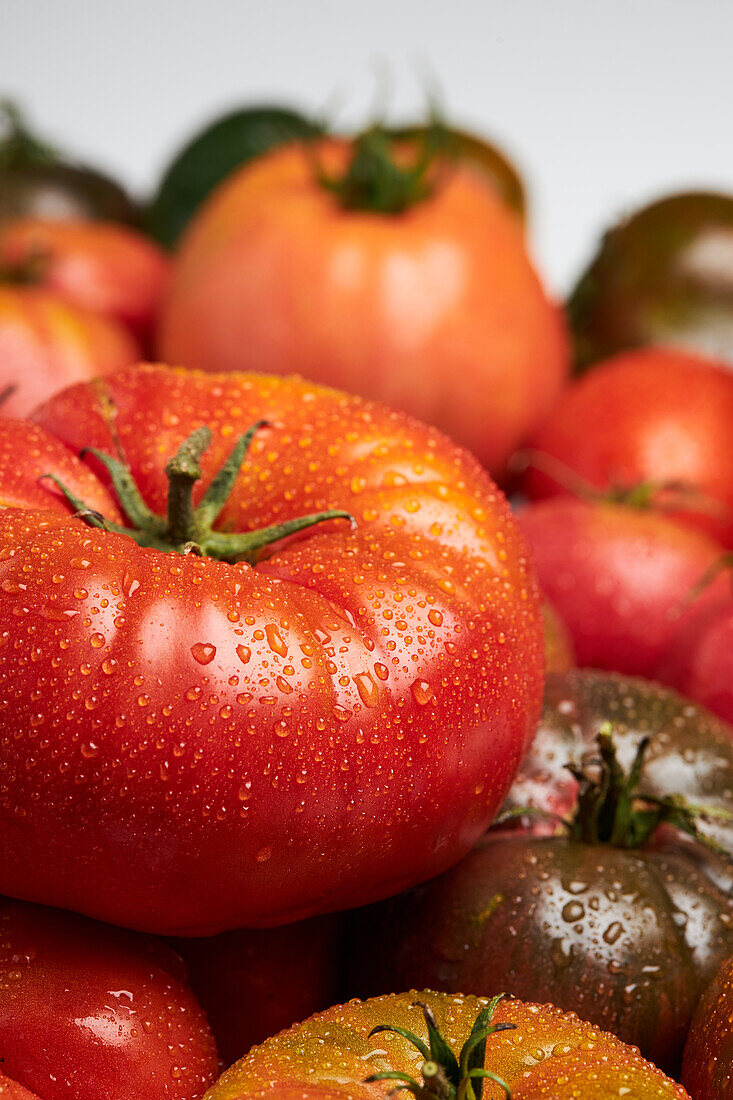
{"x": 445, "y": 1076}
{"x": 659, "y": 495}
{"x": 376, "y": 180}
{"x": 188, "y": 528}
{"x": 612, "y": 810}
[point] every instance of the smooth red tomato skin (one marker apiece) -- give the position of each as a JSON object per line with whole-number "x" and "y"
{"x": 547, "y": 1056}
{"x": 252, "y": 746}
{"x": 47, "y": 344}
{"x": 618, "y": 577}
{"x": 707, "y": 1066}
{"x": 699, "y": 663}
{"x": 437, "y": 311}
{"x": 89, "y": 1012}
{"x": 253, "y": 983}
{"x": 100, "y": 266}
{"x": 650, "y": 415}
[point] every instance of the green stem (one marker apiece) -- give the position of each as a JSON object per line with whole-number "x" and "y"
{"x": 186, "y": 528}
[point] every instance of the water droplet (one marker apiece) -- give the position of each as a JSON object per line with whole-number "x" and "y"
{"x": 97, "y": 640}
{"x": 264, "y": 854}
{"x": 435, "y": 617}
{"x": 203, "y": 652}
{"x": 244, "y": 653}
{"x": 368, "y": 691}
{"x": 274, "y": 640}
{"x": 573, "y": 911}
{"x": 422, "y": 692}
{"x": 613, "y": 932}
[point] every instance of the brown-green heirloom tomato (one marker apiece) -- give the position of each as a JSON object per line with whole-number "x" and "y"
{"x": 664, "y": 276}
{"x": 623, "y": 916}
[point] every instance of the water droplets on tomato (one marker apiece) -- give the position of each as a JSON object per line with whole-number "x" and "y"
{"x": 203, "y": 652}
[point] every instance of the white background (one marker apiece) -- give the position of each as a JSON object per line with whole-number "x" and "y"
{"x": 602, "y": 104}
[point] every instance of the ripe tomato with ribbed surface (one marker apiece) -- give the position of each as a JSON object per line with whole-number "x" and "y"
{"x": 89, "y": 1012}
{"x": 420, "y": 294}
{"x": 213, "y": 722}
{"x": 537, "y": 1051}
{"x": 106, "y": 268}
{"x": 47, "y": 344}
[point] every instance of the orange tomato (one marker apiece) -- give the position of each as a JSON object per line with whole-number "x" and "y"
{"x": 435, "y": 310}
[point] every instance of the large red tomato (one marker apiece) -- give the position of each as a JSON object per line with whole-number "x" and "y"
{"x": 432, "y": 306}
{"x": 439, "y": 1042}
{"x": 653, "y": 415}
{"x": 47, "y": 344}
{"x": 106, "y": 268}
{"x": 191, "y": 744}
{"x": 619, "y": 577}
{"x": 89, "y": 1012}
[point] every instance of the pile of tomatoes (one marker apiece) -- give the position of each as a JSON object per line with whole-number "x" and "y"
{"x": 366, "y": 624}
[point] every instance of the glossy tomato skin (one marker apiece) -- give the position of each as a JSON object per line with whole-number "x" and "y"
{"x": 699, "y": 663}
{"x": 652, "y": 415}
{"x": 89, "y": 1012}
{"x": 331, "y": 1054}
{"x": 619, "y": 577}
{"x": 662, "y": 277}
{"x": 252, "y": 746}
{"x": 106, "y": 268}
{"x": 629, "y": 938}
{"x": 253, "y": 983}
{"x": 707, "y": 1067}
{"x": 47, "y": 344}
{"x": 437, "y": 310}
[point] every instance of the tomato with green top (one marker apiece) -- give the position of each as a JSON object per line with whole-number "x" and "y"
{"x": 284, "y": 659}
{"x": 610, "y": 895}
{"x": 444, "y": 1047}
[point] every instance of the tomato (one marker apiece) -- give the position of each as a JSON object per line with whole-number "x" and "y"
{"x": 699, "y": 661}
{"x": 89, "y": 1012}
{"x": 418, "y": 292}
{"x": 37, "y": 181}
{"x": 253, "y": 983}
{"x": 661, "y": 276}
{"x": 657, "y": 416}
{"x": 99, "y": 266}
{"x": 539, "y": 1053}
{"x": 46, "y": 344}
{"x": 559, "y": 655}
{"x": 624, "y": 929}
{"x": 192, "y": 744}
{"x": 707, "y": 1067}
{"x": 619, "y": 578}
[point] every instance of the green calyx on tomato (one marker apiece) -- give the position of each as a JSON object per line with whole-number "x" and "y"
{"x": 611, "y": 809}
{"x": 375, "y": 179}
{"x": 445, "y": 1076}
{"x": 188, "y": 528}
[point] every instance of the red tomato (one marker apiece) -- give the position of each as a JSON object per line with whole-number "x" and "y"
{"x": 253, "y": 983}
{"x": 435, "y": 310}
{"x": 46, "y": 344}
{"x": 190, "y": 745}
{"x": 89, "y": 1012}
{"x": 652, "y": 415}
{"x": 699, "y": 662}
{"x": 106, "y": 268}
{"x": 707, "y": 1067}
{"x": 539, "y": 1053}
{"x": 618, "y": 577}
